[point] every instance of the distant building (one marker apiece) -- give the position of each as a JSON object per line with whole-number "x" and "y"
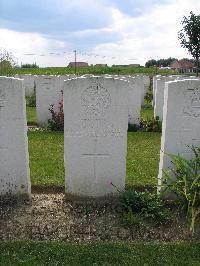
{"x": 134, "y": 65}
{"x": 78, "y": 64}
{"x": 183, "y": 66}
{"x": 130, "y": 65}
{"x": 101, "y": 65}
{"x": 167, "y": 67}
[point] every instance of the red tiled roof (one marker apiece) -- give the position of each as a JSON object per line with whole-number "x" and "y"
{"x": 182, "y": 64}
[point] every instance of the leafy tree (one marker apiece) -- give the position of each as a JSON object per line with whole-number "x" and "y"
{"x": 7, "y": 62}
{"x": 34, "y": 65}
{"x": 189, "y": 36}
{"x": 151, "y": 63}
{"x": 160, "y": 62}
{"x": 6, "y": 59}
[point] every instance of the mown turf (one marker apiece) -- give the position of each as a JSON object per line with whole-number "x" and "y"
{"x": 46, "y": 154}
{"x": 46, "y": 158}
{"x": 143, "y": 158}
{"x": 135, "y": 254}
{"x": 31, "y": 115}
{"x": 146, "y": 112}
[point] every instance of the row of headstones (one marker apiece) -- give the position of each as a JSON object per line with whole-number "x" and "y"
{"x": 159, "y": 84}
{"x": 49, "y": 92}
{"x": 95, "y": 134}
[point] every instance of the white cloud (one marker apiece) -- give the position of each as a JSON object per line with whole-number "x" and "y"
{"x": 151, "y": 35}
{"x": 30, "y": 47}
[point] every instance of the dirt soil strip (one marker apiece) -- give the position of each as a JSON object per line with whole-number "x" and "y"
{"x": 51, "y": 217}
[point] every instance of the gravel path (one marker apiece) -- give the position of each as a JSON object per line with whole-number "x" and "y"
{"x": 51, "y": 217}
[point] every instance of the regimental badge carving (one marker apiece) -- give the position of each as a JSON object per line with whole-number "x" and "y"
{"x": 192, "y": 107}
{"x": 2, "y": 98}
{"x": 95, "y": 101}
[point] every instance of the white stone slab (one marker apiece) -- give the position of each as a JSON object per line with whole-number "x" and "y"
{"x": 134, "y": 99}
{"x": 29, "y": 83}
{"x": 14, "y": 164}
{"x": 146, "y": 81}
{"x": 48, "y": 92}
{"x": 96, "y": 121}
{"x": 154, "y": 87}
{"x": 141, "y": 87}
{"x": 159, "y": 93}
{"x": 181, "y": 121}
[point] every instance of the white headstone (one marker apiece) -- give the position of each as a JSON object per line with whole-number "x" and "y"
{"x": 48, "y": 92}
{"x": 146, "y": 81}
{"x": 154, "y": 87}
{"x": 181, "y": 121}
{"x": 141, "y": 86}
{"x": 96, "y": 121}
{"x": 29, "y": 83}
{"x": 159, "y": 93}
{"x": 14, "y": 165}
{"x": 134, "y": 99}
{"x": 135, "y": 95}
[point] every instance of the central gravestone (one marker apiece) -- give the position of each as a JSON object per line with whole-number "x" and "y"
{"x": 96, "y": 120}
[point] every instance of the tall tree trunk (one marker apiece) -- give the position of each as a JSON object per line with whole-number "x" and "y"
{"x": 197, "y": 66}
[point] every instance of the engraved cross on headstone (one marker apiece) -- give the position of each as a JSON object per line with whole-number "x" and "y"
{"x": 94, "y": 155}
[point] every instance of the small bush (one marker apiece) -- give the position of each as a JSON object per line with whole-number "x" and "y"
{"x": 149, "y": 96}
{"x": 186, "y": 184}
{"x": 56, "y": 123}
{"x": 133, "y": 127}
{"x": 144, "y": 206}
{"x": 151, "y": 125}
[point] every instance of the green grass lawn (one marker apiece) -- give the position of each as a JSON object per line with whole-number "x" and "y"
{"x": 47, "y": 166}
{"x": 46, "y": 155}
{"x": 46, "y": 152}
{"x": 146, "y": 112}
{"x": 142, "y": 158}
{"x": 134, "y": 254}
{"x": 31, "y": 115}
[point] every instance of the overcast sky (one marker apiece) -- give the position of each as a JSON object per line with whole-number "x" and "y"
{"x": 102, "y": 31}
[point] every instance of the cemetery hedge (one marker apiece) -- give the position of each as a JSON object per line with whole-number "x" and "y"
{"x": 119, "y": 253}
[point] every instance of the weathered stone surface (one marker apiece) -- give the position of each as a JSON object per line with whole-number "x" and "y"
{"x": 14, "y": 165}
{"x": 96, "y": 120}
{"x": 181, "y": 121}
{"x": 48, "y": 92}
{"x": 134, "y": 98}
{"x": 29, "y": 83}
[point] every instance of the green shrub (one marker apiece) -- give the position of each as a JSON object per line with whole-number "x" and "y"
{"x": 149, "y": 96}
{"x": 56, "y": 123}
{"x": 151, "y": 124}
{"x": 133, "y": 127}
{"x": 184, "y": 181}
{"x": 144, "y": 205}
